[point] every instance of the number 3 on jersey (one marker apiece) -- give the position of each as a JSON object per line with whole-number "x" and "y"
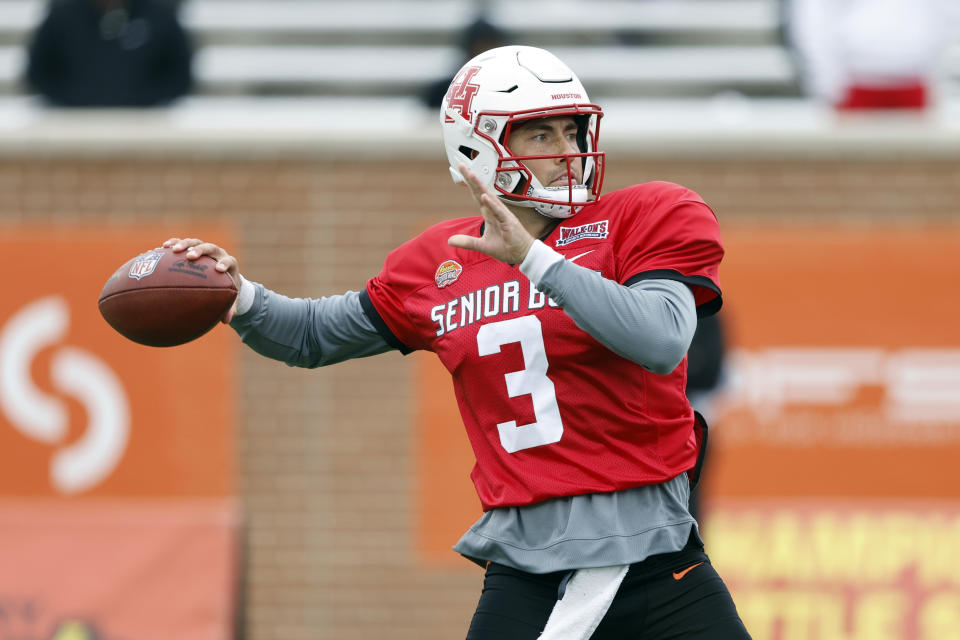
{"x": 532, "y": 380}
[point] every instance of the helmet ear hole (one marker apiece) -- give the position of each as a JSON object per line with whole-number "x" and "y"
{"x": 467, "y": 152}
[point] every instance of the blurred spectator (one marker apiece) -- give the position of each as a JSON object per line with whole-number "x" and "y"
{"x": 869, "y": 54}
{"x": 705, "y": 362}
{"x": 479, "y": 36}
{"x": 110, "y": 53}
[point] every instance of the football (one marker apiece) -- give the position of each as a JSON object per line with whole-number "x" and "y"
{"x": 161, "y": 299}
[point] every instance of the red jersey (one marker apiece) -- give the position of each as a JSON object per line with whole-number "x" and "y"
{"x": 550, "y": 411}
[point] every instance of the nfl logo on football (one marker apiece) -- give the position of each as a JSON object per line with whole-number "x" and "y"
{"x": 145, "y": 264}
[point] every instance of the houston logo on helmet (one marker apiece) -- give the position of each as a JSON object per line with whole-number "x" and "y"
{"x": 461, "y": 92}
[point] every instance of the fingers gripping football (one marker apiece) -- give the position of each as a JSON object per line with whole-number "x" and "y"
{"x": 504, "y": 237}
{"x": 225, "y": 262}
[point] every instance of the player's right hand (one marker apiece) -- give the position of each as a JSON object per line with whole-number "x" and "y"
{"x": 504, "y": 236}
{"x": 226, "y": 263}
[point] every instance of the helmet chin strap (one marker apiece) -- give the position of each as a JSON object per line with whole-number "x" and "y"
{"x": 577, "y": 193}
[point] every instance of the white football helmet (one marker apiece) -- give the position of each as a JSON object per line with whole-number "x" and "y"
{"x": 504, "y": 86}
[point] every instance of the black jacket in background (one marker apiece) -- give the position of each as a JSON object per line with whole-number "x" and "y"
{"x": 81, "y": 57}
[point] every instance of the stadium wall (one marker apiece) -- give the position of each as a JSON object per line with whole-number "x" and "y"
{"x": 327, "y": 458}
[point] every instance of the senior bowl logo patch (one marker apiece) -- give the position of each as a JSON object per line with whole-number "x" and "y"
{"x": 447, "y": 273}
{"x": 599, "y": 229}
{"x": 144, "y": 264}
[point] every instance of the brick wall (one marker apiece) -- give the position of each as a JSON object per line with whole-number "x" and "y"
{"x": 326, "y": 456}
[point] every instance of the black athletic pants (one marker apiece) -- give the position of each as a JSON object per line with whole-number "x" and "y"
{"x": 668, "y": 596}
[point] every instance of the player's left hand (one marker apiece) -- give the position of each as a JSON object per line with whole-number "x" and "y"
{"x": 226, "y": 263}
{"x": 504, "y": 237}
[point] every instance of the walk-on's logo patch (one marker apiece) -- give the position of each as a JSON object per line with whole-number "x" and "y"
{"x": 145, "y": 264}
{"x": 599, "y": 229}
{"x": 447, "y": 273}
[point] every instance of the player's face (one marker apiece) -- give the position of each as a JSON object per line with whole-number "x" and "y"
{"x": 548, "y": 136}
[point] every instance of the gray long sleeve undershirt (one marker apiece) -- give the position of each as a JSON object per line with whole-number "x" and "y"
{"x": 308, "y": 332}
{"x": 650, "y": 323}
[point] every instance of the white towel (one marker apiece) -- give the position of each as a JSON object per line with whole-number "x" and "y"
{"x": 588, "y": 595}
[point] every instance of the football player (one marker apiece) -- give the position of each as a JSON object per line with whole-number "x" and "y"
{"x": 564, "y": 316}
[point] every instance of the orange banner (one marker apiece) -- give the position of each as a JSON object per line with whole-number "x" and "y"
{"x": 118, "y": 570}
{"x": 85, "y": 412}
{"x": 446, "y": 501}
{"x": 844, "y": 375}
{"x": 117, "y": 518}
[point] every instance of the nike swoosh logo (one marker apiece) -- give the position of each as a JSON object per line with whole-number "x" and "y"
{"x": 679, "y": 575}
{"x": 580, "y": 256}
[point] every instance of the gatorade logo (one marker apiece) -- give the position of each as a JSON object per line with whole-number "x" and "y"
{"x": 74, "y": 372}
